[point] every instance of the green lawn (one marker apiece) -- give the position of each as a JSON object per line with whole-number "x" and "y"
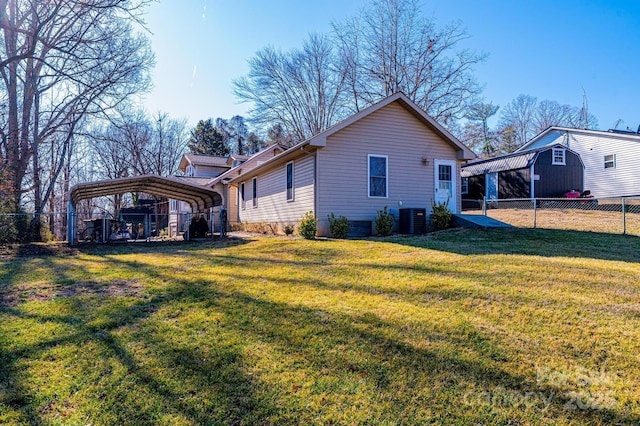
{"x": 464, "y": 327}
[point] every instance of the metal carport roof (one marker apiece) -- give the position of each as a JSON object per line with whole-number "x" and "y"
{"x": 200, "y": 197}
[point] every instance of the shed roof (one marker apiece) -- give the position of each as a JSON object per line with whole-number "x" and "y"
{"x": 179, "y": 188}
{"x": 515, "y": 161}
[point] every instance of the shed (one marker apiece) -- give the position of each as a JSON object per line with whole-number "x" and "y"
{"x": 547, "y": 172}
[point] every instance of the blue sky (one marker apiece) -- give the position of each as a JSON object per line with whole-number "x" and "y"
{"x": 544, "y": 48}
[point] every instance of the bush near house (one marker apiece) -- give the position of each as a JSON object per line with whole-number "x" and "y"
{"x": 338, "y": 226}
{"x": 384, "y": 222}
{"x": 441, "y": 216}
{"x": 289, "y": 229}
{"x": 308, "y": 226}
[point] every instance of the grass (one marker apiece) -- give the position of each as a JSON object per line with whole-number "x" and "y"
{"x": 570, "y": 219}
{"x": 462, "y": 327}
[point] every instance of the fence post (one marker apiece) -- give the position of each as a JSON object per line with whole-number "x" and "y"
{"x": 535, "y": 213}
{"x": 484, "y": 206}
{"x": 624, "y": 218}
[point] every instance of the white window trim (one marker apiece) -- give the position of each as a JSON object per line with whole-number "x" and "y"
{"x": 553, "y": 157}
{"x": 614, "y": 161}
{"x": 386, "y": 176}
{"x": 242, "y": 195}
{"x": 293, "y": 182}
{"x": 464, "y": 189}
{"x": 254, "y": 192}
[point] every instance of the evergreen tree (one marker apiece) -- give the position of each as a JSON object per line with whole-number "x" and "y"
{"x": 207, "y": 139}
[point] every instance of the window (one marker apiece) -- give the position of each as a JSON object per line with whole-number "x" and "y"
{"x": 242, "y": 199}
{"x": 255, "y": 192}
{"x": 464, "y": 185}
{"x": 174, "y": 205}
{"x": 610, "y": 161}
{"x": 190, "y": 170}
{"x": 290, "y": 181}
{"x": 378, "y": 182}
{"x": 558, "y": 157}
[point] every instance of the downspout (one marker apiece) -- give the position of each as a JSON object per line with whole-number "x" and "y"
{"x": 315, "y": 183}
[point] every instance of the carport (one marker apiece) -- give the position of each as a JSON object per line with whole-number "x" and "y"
{"x": 199, "y": 197}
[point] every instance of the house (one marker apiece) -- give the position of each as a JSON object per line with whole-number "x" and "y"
{"x": 391, "y": 154}
{"x": 610, "y": 158}
{"x": 213, "y": 172}
{"x": 545, "y": 172}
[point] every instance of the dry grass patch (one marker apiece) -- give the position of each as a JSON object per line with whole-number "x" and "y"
{"x": 569, "y": 219}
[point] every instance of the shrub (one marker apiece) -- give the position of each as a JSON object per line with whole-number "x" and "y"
{"x": 308, "y": 226}
{"x": 440, "y": 216}
{"x": 384, "y": 222}
{"x": 289, "y": 229}
{"x": 338, "y": 226}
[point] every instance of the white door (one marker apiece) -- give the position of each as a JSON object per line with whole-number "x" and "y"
{"x": 492, "y": 186}
{"x": 445, "y": 183}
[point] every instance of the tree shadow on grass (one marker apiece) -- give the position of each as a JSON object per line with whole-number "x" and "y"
{"x": 530, "y": 242}
{"x": 389, "y": 363}
{"x": 97, "y": 321}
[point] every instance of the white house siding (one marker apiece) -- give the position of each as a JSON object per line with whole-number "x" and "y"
{"x": 273, "y": 206}
{"x": 343, "y": 166}
{"x": 623, "y": 180}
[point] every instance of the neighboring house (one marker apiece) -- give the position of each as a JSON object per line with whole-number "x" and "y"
{"x": 546, "y": 172}
{"x": 610, "y": 158}
{"x": 391, "y": 154}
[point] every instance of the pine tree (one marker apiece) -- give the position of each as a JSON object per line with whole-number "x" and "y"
{"x": 207, "y": 139}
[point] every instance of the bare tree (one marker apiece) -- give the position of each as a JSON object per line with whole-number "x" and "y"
{"x": 519, "y": 115}
{"x": 59, "y": 63}
{"x": 525, "y": 117}
{"x": 392, "y": 47}
{"x": 303, "y": 89}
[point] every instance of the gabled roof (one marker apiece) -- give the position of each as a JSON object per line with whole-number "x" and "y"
{"x": 202, "y": 160}
{"x": 602, "y": 133}
{"x": 320, "y": 140}
{"x": 228, "y": 173}
{"x": 514, "y": 161}
{"x": 236, "y": 157}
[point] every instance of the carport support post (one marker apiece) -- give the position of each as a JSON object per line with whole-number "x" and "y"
{"x": 71, "y": 223}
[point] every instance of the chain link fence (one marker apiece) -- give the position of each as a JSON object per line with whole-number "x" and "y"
{"x": 105, "y": 228}
{"x": 618, "y": 215}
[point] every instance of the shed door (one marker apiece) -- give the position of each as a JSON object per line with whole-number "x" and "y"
{"x": 445, "y": 182}
{"x": 492, "y": 186}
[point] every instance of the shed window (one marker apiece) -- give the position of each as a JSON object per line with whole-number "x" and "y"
{"x": 255, "y": 192}
{"x": 243, "y": 203}
{"x": 558, "y": 157}
{"x": 610, "y": 161}
{"x": 190, "y": 170}
{"x": 464, "y": 185}
{"x": 378, "y": 182}
{"x": 290, "y": 181}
